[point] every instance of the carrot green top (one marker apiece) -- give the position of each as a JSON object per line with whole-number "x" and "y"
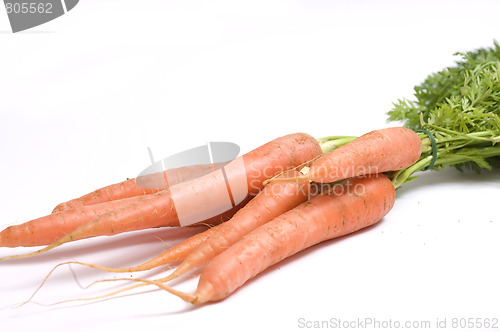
{"x": 460, "y": 107}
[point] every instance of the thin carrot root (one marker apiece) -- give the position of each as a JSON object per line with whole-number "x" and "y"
{"x": 44, "y": 281}
{"x": 172, "y": 255}
{"x": 145, "y": 283}
{"x": 286, "y": 179}
{"x": 141, "y": 282}
{"x": 188, "y": 297}
{"x": 302, "y": 168}
{"x": 101, "y": 297}
{"x": 176, "y": 253}
{"x": 65, "y": 239}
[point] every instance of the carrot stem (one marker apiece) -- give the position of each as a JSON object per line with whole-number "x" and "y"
{"x": 331, "y": 143}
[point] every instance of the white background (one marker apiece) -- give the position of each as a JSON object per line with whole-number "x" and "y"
{"x": 83, "y": 96}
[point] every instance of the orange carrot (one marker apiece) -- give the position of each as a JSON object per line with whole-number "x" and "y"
{"x": 197, "y": 195}
{"x": 378, "y": 151}
{"x": 148, "y": 184}
{"x": 47, "y": 229}
{"x": 352, "y": 205}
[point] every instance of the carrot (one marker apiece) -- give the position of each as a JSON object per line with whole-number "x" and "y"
{"x": 195, "y": 196}
{"x": 143, "y": 185}
{"x": 378, "y": 151}
{"x": 352, "y": 205}
{"x": 50, "y": 228}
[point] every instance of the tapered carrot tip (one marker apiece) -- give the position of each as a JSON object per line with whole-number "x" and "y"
{"x": 64, "y": 239}
{"x": 61, "y": 207}
{"x": 5, "y": 237}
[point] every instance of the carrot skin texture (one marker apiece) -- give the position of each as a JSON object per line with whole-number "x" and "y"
{"x": 158, "y": 210}
{"x": 321, "y": 218}
{"x": 276, "y": 198}
{"x": 378, "y": 151}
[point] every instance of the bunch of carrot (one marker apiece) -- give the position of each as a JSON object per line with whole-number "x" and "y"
{"x": 301, "y": 191}
{"x": 283, "y": 214}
